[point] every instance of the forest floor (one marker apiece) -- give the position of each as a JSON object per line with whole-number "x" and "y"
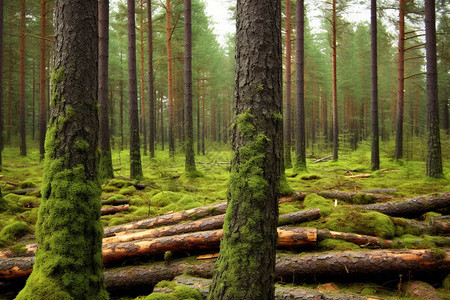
{"x": 165, "y": 189}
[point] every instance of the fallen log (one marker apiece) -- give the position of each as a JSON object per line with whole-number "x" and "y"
{"x": 354, "y": 197}
{"x": 114, "y": 209}
{"x": 322, "y": 159}
{"x": 433, "y": 228}
{"x": 211, "y": 223}
{"x": 411, "y": 207}
{"x": 345, "y": 263}
{"x": 364, "y": 241}
{"x": 116, "y": 202}
{"x": 173, "y": 218}
{"x": 281, "y": 292}
{"x": 25, "y": 191}
{"x": 204, "y": 240}
{"x": 359, "y": 176}
{"x": 378, "y": 191}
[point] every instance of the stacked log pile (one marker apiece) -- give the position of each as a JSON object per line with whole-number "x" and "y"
{"x": 198, "y": 231}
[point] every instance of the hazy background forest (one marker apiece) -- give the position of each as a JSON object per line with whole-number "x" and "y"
{"x": 213, "y": 76}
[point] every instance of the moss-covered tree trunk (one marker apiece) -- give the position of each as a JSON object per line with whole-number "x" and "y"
{"x": 135, "y": 151}
{"x": 434, "y": 157}
{"x": 68, "y": 262}
{"x": 246, "y": 264}
{"x": 1, "y": 85}
{"x": 375, "y": 147}
{"x": 287, "y": 116}
{"x": 106, "y": 168}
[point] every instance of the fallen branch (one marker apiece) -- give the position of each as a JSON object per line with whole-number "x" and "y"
{"x": 433, "y": 228}
{"x": 114, "y": 209}
{"x": 353, "y": 197}
{"x": 23, "y": 192}
{"x": 359, "y": 176}
{"x": 345, "y": 263}
{"x": 377, "y": 191}
{"x": 323, "y": 159}
{"x": 411, "y": 207}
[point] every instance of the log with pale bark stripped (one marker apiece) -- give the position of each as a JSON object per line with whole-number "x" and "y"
{"x": 345, "y": 263}
{"x": 173, "y": 218}
{"x": 411, "y": 207}
{"x": 365, "y": 241}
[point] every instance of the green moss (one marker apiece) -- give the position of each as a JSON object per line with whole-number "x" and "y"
{"x": 428, "y": 217}
{"x": 28, "y": 184}
{"x": 159, "y": 296}
{"x": 312, "y": 200}
{"x": 18, "y": 249}
{"x": 285, "y": 188}
{"x": 446, "y": 282}
{"x": 165, "y": 198}
{"x": 244, "y": 123}
{"x": 127, "y": 190}
{"x": 438, "y": 254}
{"x": 137, "y": 201}
{"x": 12, "y": 232}
{"x": 338, "y": 245}
{"x": 287, "y": 208}
{"x": 119, "y": 183}
{"x": 183, "y": 292}
{"x": 412, "y": 242}
{"x": 166, "y": 284}
{"x": 368, "y": 291}
{"x": 109, "y": 189}
{"x": 362, "y": 198}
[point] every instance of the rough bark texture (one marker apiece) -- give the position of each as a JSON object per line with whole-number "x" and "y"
{"x": 199, "y": 212}
{"x": 169, "y": 78}
{"x": 135, "y": 152}
{"x": 401, "y": 82}
{"x": 143, "y": 109}
{"x": 68, "y": 262}
{"x": 411, "y": 207}
{"x": 247, "y": 256}
{"x": 151, "y": 93}
{"x": 334, "y": 81}
{"x": 1, "y": 85}
{"x": 42, "y": 82}
{"x": 23, "y": 132}
{"x": 354, "y": 197}
{"x": 114, "y": 209}
{"x": 105, "y": 162}
{"x": 288, "y": 76}
{"x": 434, "y": 155}
{"x": 375, "y": 151}
{"x": 189, "y": 127}
{"x": 300, "y": 134}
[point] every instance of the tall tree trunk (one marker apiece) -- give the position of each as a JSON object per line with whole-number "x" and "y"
{"x": 401, "y": 82}
{"x": 144, "y": 111}
{"x": 151, "y": 92}
{"x": 434, "y": 157}
{"x": 121, "y": 110}
{"x": 23, "y": 133}
{"x": 375, "y": 151}
{"x": 34, "y": 103}
{"x": 246, "y": 264}
{"x": 135, "y": 151}
{"x": 287, "y": 117}
{"x": 334, "y": 79}
{"x": 162, "y": 123}
{"x": 170, "y": 78}
{"x": 1, "y": 85}
{"x": 300, "y": 147}
{"x": 203, "y": 113}
{"x": 189, "y": 142}
{"x": 105, "y": 162}
{"x": 68, "y": 264}
{"x": 198, "y": 118}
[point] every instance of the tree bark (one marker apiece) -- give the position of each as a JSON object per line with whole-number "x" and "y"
{"x": 375, "y": 147}
{"x": 2, "y": 117}
{"x": 287, "y": 117}
{"x": 334, "y": 83}
{"x": 247, "y": 255}
{"x": 189, "y": 142}
{"x": 300, "y": 146}
{"x": 69, "y": 234}
{"x": 411, "y": 207}
{"x": 42, "y": 82}
{"x": 105, "y": 161}
{"x": 401, "y": 82}
{"x": 151, "y": 92}
{"x": 135, "y": 151}
{"x": 434, "y": 155}
{"x": 170, "y": 78}
{"x": 23, "y": 133}
{"x": 144, "y": 111}
{"x": 351, "y": 197}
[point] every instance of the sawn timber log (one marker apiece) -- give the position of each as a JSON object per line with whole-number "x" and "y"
{"x": 346, "y": 263}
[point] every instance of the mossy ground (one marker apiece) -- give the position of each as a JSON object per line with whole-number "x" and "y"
{"x": 165, "y": 176}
